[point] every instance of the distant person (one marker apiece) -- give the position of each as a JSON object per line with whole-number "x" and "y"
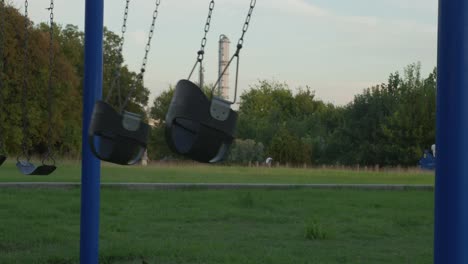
{"x": 427, "y": 154}
{"x": 269, "y": 161}
{"x": 427, "y": 162}
{"x": 144, "y": 159}
{"x": 433, "y": 148}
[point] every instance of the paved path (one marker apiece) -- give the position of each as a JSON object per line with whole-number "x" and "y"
{"x": 214, "y": 186}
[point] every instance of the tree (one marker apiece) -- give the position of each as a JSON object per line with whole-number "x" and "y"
{"x": 287, "y": 148}
{"x": 388, "y": 124}
{"x": 245, "y": 151}
{"x": 158, "y": 147}
{"x": 68, "y": 47}
{"x": 65, "y": 87}
{"x": 411, "y": 128}
{"x": 262, "y": 109}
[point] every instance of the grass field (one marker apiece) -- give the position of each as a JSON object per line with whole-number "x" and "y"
{"x": 213, "y": 227}
{"x": 221, "y": 226}
{"x": 69, "y": 172}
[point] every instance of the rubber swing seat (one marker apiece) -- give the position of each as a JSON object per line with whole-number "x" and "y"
{"x": 27, "y": 168}
{"x": 196, "y": 129}
{"x": 117, "y": 138}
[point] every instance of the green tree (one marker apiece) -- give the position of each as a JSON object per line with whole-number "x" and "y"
{"x": 158, "y": 148}
{"x": 411, "y": 128}
{"x": 245, "y": 151}
{"x": 68, "y": 47}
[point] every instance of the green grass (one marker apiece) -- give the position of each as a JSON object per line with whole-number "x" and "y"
{"x": 218, "y": 174}
{"x": 213, "y": 227}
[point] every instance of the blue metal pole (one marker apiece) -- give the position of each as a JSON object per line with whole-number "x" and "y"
{"x": 91, "y": 172}
{"x": 451, "y": 190}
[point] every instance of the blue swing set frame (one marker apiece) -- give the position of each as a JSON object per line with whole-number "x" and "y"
{"x": 451, "y": 186}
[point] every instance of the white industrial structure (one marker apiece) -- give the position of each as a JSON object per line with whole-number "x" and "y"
{"x": 223, "y": 88}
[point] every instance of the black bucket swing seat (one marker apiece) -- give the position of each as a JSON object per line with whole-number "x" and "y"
{"x": 121, "y": 137}
{"x": 197, "y": 127}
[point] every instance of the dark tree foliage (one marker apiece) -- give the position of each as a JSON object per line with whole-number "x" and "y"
{"x": 389, "y": 124}
{"x": 68, "y": 48}
{"x": 158, "y": 148}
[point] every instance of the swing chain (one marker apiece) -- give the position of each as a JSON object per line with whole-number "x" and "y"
{"x": 26, "y": 4}
{"x": 201, "y": 52}
{"x": 49, "y": 153}
{"x": 145, "y": 58}
{"x": 246, "y": 26}
{"x": 116, "y": 79}
{"x": 124, "y": 25}
{"x": 24, "y": 144}
{"x": 240, "y": 44}
{"x": 148, "y": 44}
{"x": 2, "y": 41}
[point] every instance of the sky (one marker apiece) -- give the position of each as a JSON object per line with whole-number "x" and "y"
{"x": 336, "y": 47}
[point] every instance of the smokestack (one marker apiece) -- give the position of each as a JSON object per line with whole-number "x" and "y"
{"x": 223, "y": 87}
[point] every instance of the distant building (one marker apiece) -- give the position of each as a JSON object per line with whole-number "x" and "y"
{"x": 223, "y": 88}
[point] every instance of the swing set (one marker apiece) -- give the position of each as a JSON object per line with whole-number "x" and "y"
{"x": 202, "y": 128}
{"x": 197, "y": 127}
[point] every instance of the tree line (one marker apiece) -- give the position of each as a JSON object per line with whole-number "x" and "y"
{"x": 388, "y": 124}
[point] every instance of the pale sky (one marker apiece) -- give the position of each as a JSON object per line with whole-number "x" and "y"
{"x": 336, "y": 47}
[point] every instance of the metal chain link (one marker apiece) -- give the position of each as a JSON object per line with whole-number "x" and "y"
{"x": 246, "y": 25}
{"x": 2, "y": 43}
{"x": 240, "y": 44}
{"x": 201, "y": 52}
{"x": 150, "y": 37}
{"x": 141, "y": 75}
{"x": 116, "y": 79}
{"x": 49, "y": 154}
{"x": 124, "y": 24}
{"x": 24, "y": 144}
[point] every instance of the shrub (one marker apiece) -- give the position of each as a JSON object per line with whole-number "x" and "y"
{"x": 315, "y": 231}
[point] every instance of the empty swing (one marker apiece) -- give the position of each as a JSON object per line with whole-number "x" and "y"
{"x": 196, "y": 126}
{"x": 121, "y": 137}
{"x": 24, "y": 164}
{"x": 2, "y": 43}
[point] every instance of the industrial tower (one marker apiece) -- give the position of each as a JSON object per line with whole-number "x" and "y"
{"x": 223, "y": 87}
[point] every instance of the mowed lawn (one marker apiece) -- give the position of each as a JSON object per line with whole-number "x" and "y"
{"x": 220, "y": 174}
{"x": 212, "y": 227}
